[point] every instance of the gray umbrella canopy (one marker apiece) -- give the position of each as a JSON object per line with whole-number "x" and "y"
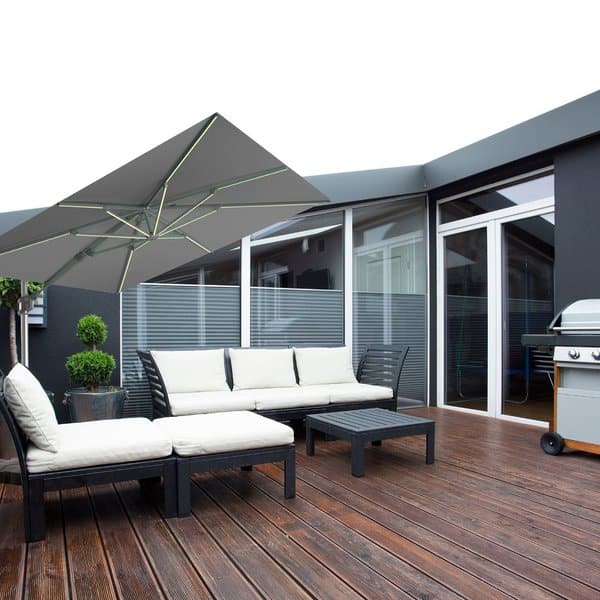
{"x": 205, "y": 188}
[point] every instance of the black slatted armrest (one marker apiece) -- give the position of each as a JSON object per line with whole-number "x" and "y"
{"x": 382, "y": 365}
{"x": 161, "y": 407}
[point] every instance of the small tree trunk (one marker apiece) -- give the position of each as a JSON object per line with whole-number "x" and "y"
{"x": 12, "y": 336}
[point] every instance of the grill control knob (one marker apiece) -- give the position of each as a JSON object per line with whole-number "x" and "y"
{"x": 596, "y": 354}
{"x": 574, "y": 354}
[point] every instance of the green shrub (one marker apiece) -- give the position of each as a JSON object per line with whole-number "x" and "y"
{"x": 90, "y": 368}
{"x": 92, "y": 331}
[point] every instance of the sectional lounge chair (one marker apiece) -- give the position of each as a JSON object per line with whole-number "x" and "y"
{"x": 55, "y": 456}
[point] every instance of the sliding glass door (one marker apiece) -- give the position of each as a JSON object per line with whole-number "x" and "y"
{"x": 495, "y": 284}
{"x": 466, "y": 319}
{"x": 527, "y": 308}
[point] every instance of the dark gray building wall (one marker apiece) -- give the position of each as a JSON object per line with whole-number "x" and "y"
{"x": 577, "y": 234}
{"x": 49, "y": 346}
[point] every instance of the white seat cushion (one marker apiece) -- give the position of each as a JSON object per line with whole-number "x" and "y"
{"x": 354, "y": 392}
{"x": 192, "y": 370}
{"x": 94, "y": 443}
{"x": 254, "y": 368}
{"x": 31, "y": 408}
{"x": 318, "y": 366}
{"x": 208, "y": 402}
{"x": 223, "y": 432}
{"x": 287, "y": 397}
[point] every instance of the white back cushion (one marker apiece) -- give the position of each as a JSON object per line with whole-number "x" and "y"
{"x": 318, "y": 366}
{"x": 254, "y": 368}
{"x": 31, "y": 408}
{"x": 186, "y": 371}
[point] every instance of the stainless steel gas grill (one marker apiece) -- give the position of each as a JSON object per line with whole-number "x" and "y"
{"x": 574, "y": 334}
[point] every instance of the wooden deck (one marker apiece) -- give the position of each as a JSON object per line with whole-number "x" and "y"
{"x": 493, "y": 518}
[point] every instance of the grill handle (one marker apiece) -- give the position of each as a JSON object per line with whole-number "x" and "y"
{"x": 567, "y": 329}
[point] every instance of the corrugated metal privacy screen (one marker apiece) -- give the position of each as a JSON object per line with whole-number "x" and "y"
{"x": 170, "y": 316}
{"x": 284, "y": 316}
{"x": 394, "y": 319}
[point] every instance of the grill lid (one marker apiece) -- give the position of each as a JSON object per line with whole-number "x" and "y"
{"x": 580, "y": 318}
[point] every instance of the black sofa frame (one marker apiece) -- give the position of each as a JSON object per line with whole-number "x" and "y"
{"x": 379, "y": 365}
{"x": 227, "y": 460}
{"x": 35, "y": 484}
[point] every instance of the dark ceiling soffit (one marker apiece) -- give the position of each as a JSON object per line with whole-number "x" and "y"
{"x": 566, "y": 124}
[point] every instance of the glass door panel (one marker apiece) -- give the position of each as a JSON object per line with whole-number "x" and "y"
{"x": 528, "y": 307}
{"x": 466, "y": 319}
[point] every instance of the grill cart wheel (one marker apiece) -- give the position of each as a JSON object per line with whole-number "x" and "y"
{"x": 552, "y": 443}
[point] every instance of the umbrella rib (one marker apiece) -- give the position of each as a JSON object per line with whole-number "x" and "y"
{"x": 215, "y": 187}
{"x": 160, "y": 207}
{"x": 109, "y": 236}
{"x": 268, "y": 205}
{"x": 170, "y": 227}
{"x": 126, "y": 222}
{"x": 182, "y": 158}
{"x": 197, "y": 243}
{"x": 253, "y": 177}
{"x": 166, "y": 182}
{"x": 192, "y": 147}
{"x": 31, "y": 244}
{"x": 232, "y": 183}
{"x": 126, "y": 268}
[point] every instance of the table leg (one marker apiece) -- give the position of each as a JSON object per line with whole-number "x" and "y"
{"x": 430, "y": 455}
{"x": 358, "y": 457}
{"x": 376, "y": 443}
{"x": 310, "y": 441}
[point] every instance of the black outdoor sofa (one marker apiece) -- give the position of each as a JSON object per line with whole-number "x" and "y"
{"x": 379, "y": 365}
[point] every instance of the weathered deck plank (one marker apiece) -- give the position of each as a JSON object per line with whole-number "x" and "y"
{"x": 128, "y": 564}
{"x": 13, "y": 553}
{"x": 46, "y": 575}
{"x": 494, "y": 517}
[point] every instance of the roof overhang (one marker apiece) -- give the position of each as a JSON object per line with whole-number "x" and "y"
{"x": 566, "y": 124}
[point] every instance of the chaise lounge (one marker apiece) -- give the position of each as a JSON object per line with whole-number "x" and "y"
{"x": 284, "y": 384}
{"x": 55, "y": 456}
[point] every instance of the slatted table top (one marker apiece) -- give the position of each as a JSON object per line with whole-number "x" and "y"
{"x": 367, "y": 419}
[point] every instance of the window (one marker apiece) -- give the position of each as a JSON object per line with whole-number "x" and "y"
{"x": 297, "y": 283}
{"x": 390, "y": 283}
{"x": 496, "y": 199}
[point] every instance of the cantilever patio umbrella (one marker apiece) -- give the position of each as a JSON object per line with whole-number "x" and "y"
{"x": 201, "y": 190}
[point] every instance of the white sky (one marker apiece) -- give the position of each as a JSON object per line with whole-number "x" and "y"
{"x": 324, "y": 85}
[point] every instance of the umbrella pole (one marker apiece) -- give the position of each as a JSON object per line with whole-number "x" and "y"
{"x": 24, "y": 328}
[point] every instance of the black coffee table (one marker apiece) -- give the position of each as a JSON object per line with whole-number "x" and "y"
{"x": 368, "y": 425}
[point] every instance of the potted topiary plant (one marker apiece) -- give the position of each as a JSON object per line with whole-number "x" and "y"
{"x": 92, "y": 369}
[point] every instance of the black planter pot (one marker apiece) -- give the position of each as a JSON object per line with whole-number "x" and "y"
{"x": 106, "y": 403}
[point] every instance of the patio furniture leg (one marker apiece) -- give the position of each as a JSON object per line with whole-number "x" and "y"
{"x": 246, "y": 468}
{"x": 289, "y": 470}
{"x": 184, "y": 492}
{"x": 35, "y": 517}
{"x": 310, "y": 441}
{"x": 430, "y": 452}
{"x": 358, "y": 457}
{"x": 170, "y": 491}
{"x": 376, "y": 443}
